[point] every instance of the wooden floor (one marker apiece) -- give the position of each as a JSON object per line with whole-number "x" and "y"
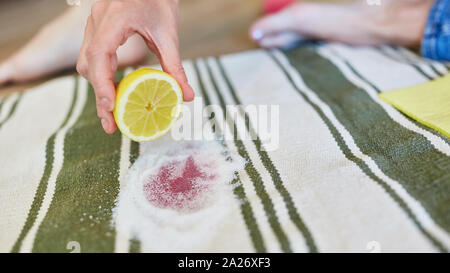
{"x": 207, "y": 27}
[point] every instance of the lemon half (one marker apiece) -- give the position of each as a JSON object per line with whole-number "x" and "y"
{"x": 148, "y": 103}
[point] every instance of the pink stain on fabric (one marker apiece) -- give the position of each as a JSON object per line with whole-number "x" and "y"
{"x": 178, "y": 184}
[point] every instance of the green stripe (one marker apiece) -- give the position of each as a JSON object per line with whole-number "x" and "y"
{"x": 42, "y": 187}
{"x": 360, "y": 163}
{"x": 135, "y": 245}
{"x": 428, "y": 129}
{"x": 415, "y": 66}
{"x": 364, "y": 79}
{"x": 401, "y": 154}
{"x": 2, "y": 101}
{"x": 430, "y": 64}
{"x": 12, "y": 110}
{"x": 438, "y": 73}
{"x": 134, "y": 152}
{"x": 86, "y": 188}
{"x": 238, "y": 188}
{"x": 256, "y": 179}
{"x": 268, "y": 164}
{"x": 417, "y": 63}
{"x": 421, "y": 71}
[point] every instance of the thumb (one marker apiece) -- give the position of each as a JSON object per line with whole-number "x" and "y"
{"x": 171, "y": 63}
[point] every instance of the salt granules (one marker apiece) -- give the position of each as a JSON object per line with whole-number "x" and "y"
{"x": 176, "y": 194}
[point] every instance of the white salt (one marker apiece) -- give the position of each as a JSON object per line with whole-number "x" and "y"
{"x": 177, "y": 194}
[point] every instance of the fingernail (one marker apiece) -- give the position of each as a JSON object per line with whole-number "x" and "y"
{"x": 104, "y": 124}
{"x": 257, "y": 34}
{"x": 105, "y": 102}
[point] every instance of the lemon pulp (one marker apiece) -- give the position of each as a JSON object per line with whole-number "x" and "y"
{"x": 148, "y": 103}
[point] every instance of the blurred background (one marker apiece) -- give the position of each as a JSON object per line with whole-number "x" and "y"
{"x": 207, "y": 27}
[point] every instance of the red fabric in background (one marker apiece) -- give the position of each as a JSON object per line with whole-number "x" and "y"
{"x": 272, "y": 6}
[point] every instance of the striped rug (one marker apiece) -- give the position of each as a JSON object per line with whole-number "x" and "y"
{"x": 351, "y": 173}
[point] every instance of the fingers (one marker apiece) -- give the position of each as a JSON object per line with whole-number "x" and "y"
{"x": 90, "y": 66}
{"x": 97, "y": 62}
{"x": 82, "y": 61}
{"x": 171, "y": 63}
{"x": 283, "y": 40}
{"x": 100, "y": 74}
{"x": 271, "y": 24}
{"x": 102, "y": 79}
{"x": 5, "y": 73}
{"x": 110, "y": 25}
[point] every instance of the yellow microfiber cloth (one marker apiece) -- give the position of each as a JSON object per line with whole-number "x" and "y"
{"x": 428, "y": 103}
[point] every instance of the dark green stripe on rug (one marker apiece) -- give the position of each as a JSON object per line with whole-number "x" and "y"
{"x": 238, "y": 188}
{"x": 134, "y": 152}
{"x": 2, "y": 100}
{"x": 419, "y": 59}
{"x": 12, "y": 110}
{"x": 267, "y": 162}
{"x": 421, "y": 71}
{"x": 42, "y": 187}
{"x": 401, "y": 59}
{"x": 358, "y": 161}
{"x": 86, "y": 188}
{"x": 401, "y": 154}
{"x": 256, "y": 179}
{"x": 435, "y": 70}
{"x": 371, "y": 84}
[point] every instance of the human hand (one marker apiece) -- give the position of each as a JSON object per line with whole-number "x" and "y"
{"x": 109, "y": 26}
{"x": 356, "y": 23}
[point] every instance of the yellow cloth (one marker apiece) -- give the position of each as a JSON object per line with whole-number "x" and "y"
{"x": 428, "y": 103}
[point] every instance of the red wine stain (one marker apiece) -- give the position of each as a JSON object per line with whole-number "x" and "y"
{"x": 165, "y": 190}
